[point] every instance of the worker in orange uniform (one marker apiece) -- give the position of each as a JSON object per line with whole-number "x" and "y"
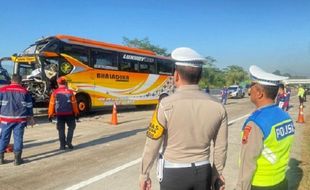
{"x": 63, "y": 105}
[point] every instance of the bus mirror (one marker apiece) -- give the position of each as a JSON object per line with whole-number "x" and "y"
{"x": 48, "y": 54}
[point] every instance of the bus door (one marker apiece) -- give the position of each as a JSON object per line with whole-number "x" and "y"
{"x": 75, "y": 65}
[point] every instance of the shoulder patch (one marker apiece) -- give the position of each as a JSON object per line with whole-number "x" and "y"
{"x": 155, "y": 129}
{"x": 246, "y": 133}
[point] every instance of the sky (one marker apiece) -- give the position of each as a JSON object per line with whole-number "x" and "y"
{"x": 272, "y": 34}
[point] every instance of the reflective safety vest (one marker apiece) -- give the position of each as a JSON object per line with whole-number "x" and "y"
{"x": 63, "y": 103}
{"x": 278, "y": 130}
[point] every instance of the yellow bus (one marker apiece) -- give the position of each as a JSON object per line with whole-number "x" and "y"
{"x": 100, "y": 73}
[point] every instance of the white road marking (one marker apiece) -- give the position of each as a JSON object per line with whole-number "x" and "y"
{"x": 103, "y": 175}
{"x": 120, "y": 168}
{"x": 239, "y": 118}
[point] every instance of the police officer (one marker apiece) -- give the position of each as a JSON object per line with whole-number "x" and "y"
{"x": 288, "y": 93}
{"x": 63, "y": 104}
{"x": 224, "y": 95}
{"x": 15, "y": 112}
{"x": 266, "y": 137}
{"x": 184, "y": 124}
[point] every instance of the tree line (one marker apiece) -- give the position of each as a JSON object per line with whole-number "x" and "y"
{"x": 212, "y": 76}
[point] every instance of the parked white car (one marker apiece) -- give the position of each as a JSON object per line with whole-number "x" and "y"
{"x": 235, "y": 91}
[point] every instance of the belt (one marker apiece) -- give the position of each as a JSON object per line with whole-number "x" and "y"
{"x": 168, "y": 164}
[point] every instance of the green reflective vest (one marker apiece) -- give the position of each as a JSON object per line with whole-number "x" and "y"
{"x": 278, "y": 130}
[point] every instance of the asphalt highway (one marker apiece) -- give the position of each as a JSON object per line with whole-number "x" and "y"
{"x": 107, "y": 157}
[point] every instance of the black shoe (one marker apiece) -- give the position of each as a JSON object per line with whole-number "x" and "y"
{"x": 1, "y": 158}
{"x": 18, "y": 158}
{"x": 70, "y": 146}
{"x": 62, "y": 148}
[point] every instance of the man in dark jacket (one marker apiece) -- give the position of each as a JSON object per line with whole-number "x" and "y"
{"x": 63, "y": 105}
{"x": 15, "y": 111}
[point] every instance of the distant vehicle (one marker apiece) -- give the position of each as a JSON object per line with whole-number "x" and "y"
{"x": 100, "y": 73}
{"x": 236, "y": 91}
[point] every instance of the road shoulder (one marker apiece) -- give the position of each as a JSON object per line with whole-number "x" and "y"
{"x": 305, "y": 159}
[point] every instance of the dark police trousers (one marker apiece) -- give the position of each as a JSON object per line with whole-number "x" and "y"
{"x": 281, "y": 186}
{"x": 61, "y": 123}
{"x": 191, "y": 178}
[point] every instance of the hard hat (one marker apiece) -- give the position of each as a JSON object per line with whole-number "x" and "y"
{"x": 185, "y": 56}
{"x": 260, "y": 76}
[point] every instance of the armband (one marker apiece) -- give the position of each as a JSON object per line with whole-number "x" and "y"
{"x": 155, "y": 129}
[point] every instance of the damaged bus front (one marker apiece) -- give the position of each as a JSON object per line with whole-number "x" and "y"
{"x": 38, "y": 67}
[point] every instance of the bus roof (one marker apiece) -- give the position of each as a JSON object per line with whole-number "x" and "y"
{"x": 87, "y": 42}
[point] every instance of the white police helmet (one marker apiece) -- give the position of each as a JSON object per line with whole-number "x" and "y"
{"x": 185, "y": 56}
{"x": 260, "y": 76}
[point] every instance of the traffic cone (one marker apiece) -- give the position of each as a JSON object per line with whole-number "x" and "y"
{"x": 9, "y": 148}
{"x": 301, "y": 115}
{"x": 114, "y": 115}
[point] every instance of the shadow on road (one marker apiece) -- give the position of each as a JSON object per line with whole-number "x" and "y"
{"x": 42, "y": 155}
{"x": 29, "y": 145}
{"x": 294, "y": 174}
{"x": 41, "y": 115}
{"x": 110, "y": 138}
{"x": 95, "y": 142}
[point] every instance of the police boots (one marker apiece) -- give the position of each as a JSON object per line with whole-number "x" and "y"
{"x": 1, "y": 158}
{"x": 18, "y": 158}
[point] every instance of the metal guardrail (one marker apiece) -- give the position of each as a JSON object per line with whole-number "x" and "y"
{"x": 297, "y": 81}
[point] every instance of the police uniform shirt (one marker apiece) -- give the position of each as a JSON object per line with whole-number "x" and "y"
{"x": 190, "y": 119}
{"x": 251, "y": 149}
{"x": 253, "y": 145}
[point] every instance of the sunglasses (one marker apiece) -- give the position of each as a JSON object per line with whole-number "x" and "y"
{"x": 251, "y": 85}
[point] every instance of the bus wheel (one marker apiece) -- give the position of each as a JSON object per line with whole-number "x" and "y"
{"x": 83, "y": 104}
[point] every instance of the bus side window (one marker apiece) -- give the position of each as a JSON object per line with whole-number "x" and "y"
{"x": 165, "y": 66}
{"x": 144, "y": 67}
{"x": 130, "y": 65}
{"x": 104, "y": 60}
{"x": 147, "y": 67}
{"x": 78, "y": 52}
{"x": 152, "y": 68}
{"x": 125, "y": 66}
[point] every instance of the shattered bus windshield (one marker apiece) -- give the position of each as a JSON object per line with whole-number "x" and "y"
{"x": 44, "y": 44}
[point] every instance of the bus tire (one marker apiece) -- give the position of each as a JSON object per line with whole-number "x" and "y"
{"x": 83, "y": 103}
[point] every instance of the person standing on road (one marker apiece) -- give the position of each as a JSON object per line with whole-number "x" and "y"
{"x": 207, "y": 90}
{"x": 224, "y": 95}
{"x": 183, "y": 126}
{"x": 281, "y": 97}
{"x": 301, "y": 94}
{"x": 16, "y": 110}
{"x": 267, "y": 137}
{"x": 63, "y": 105}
